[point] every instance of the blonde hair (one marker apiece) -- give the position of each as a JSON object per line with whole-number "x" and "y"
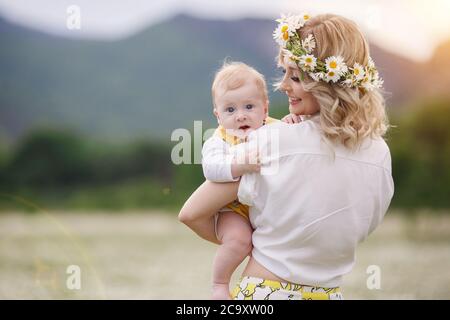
{"x": 347, "y": 115}
{"x": 233, "y": 75}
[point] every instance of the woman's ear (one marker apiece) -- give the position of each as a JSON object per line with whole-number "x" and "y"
{"x": 266, "y": 108}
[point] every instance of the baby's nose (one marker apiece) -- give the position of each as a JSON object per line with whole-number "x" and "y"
{"x": 241, "y": 116}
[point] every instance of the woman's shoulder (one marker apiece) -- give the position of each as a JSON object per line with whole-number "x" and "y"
{"x": 285, "y": 139}
{"x": 373, "y": 151}
{"x": 379, "y": 150}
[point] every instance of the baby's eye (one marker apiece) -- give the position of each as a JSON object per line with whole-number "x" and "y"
{"x": 229, "y": 109}
{"x": 283, "y": 70}
{"x": 249, "y": 106}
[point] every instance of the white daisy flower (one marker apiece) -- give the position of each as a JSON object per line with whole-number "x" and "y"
{"x": 288, "y": 54}
{"x": 336, "y": 65}
{"x": 358, "y": 71}
{"x": 366, "y": 83}
{"x": 377, "y": 82}
{"x": 308, "y": 62}
{"x": 296, "y": 22}
{"x": 282, "y": 34}
{"x": 348, "y": 83}
{"x": 305, "y": 16}
{"x": 371, "y": 64}
{"x": 316, "y": 76}
{"x": 368, "y": 86}
{"x": 332, "y": 76}
{"x": 309, "y": 43}
{"x": 284, "y": 18}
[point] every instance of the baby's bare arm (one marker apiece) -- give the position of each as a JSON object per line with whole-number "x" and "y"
{"x": 198, "y": 211}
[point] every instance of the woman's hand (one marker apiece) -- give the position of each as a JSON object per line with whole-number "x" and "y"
{"x": 291, "y": 119}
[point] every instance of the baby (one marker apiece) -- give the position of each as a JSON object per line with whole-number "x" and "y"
{"x": 241, "y": 105}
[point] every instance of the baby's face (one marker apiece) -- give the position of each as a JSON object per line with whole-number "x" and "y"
{"x": 241, "y": 110}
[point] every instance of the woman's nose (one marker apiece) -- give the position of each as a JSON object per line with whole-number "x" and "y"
{"x": 284, "y": 86}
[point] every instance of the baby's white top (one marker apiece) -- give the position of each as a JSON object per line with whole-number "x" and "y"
{"x": 216, "y": 160}
{"x": 310, "y": 210}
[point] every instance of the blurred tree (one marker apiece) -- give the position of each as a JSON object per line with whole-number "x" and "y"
{"x": 142, "y": 174}
{"x": 140, "y": 159}
{"x": 420, "y": 148}
{"x": 49, "y": 158}
{"x": 152, "y": 159}
{"x": 2, "y": 165}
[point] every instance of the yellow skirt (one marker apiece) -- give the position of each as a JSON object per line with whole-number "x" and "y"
{"x": 251, "y": 288}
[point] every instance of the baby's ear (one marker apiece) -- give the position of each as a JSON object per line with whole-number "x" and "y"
{"x": 215, "y": 112}
{"x": 266, "y": 108}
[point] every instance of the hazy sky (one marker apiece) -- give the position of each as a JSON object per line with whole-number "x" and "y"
{"x": 412, "y": 28}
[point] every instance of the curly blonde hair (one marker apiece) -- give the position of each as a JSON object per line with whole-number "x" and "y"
{"x": 347, "y": 115}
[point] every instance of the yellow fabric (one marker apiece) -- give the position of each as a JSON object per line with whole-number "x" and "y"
{"x": 233, "y": 140}
{"x": 236, "y": 206}
{"x": 239, "y": 208}
{"x": 248, "y": 290}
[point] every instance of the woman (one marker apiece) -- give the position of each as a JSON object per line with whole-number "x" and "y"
{"x": 330, "y": 183}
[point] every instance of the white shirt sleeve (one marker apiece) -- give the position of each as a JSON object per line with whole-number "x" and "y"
{"x": 216, "y": 160}
{"x": 266, "y": 141}
{"x": 248, "y": 187}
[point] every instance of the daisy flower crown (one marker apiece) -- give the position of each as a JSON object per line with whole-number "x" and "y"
{"x": 333, "y": 69}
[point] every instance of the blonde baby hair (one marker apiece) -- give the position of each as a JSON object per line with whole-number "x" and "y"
{"x": 233, "y": 75}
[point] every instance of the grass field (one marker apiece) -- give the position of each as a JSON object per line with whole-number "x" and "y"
{"x": 150, "y": 255}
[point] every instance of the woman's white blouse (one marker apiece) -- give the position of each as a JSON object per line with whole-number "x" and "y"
{"x": 309, "y": 207}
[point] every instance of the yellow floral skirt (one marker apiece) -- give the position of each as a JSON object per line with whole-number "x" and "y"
{"x": 251, "y": 288}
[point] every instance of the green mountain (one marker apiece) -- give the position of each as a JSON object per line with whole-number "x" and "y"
{"x": 142, "y": 86}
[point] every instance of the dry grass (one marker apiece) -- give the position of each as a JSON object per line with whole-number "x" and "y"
{"x": 152, "y": 256}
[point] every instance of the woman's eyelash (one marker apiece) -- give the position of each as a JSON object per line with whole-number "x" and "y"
{"x": 296, "y": 79}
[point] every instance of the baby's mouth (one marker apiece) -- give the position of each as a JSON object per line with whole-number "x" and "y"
{"x": 244, "y": 128}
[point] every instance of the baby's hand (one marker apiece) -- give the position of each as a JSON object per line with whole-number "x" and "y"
{"x": 291, "y": 119}
{"x": 252, "y": 161}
